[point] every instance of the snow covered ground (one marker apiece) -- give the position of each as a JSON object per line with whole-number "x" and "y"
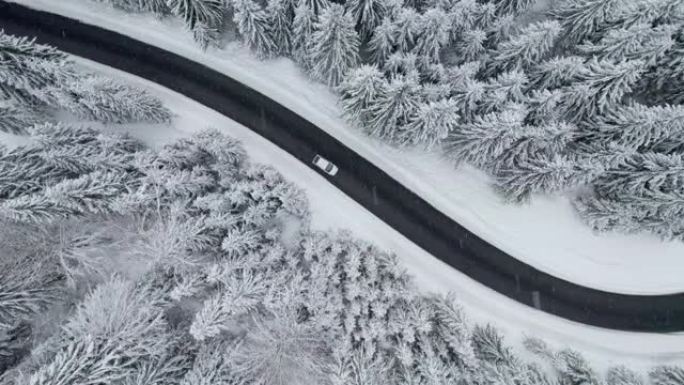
{"x": 332, "y": 209}
{"x": 546, "y": 233}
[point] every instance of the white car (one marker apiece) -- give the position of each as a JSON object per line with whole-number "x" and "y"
{"x": 325, "y": 165}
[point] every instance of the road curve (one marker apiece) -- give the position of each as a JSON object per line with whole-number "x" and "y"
{"x": 358, "y": 178}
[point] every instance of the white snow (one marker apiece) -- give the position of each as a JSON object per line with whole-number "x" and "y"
{"x": 546, "y": 233}
{"x": 332, "y": 209}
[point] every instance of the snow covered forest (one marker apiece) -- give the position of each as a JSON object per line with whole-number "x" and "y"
{"x": 190, "y": 265}
{"x": 575, "y": 97}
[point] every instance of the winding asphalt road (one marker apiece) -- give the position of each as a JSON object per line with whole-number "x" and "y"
{"x": 359, "y": 179}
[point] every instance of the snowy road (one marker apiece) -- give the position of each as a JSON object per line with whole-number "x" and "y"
{"x": 359, "y": 179}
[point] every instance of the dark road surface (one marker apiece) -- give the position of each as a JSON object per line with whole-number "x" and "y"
{"x": 358, "y": 178}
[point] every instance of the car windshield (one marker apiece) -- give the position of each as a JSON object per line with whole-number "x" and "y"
{"x": 329, "y": 167}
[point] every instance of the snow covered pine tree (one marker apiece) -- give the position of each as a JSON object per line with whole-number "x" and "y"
{"x": 36, "y": 80}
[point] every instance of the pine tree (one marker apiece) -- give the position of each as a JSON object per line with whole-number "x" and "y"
{"x": 78, "y": 362}
{"x": 107, "y": 101}
{"x": 58, "y": 153}
{"x": 392, "y": 8}
{"x": 639, "y": 42}
{"x": 512, "y": 6}
{"x": 582, "y": 19}
{"x": 667, "y": 375}
{"x": 158, "y": 7}
{"x": 434, "y": 72}
{"x": 254, "y": 26}
{"x": 25, "y": 289}
{"x": 115, "y": 331}
{"x": 367, "y": 14}
{"x": 667, "y": 81}
{"x": 15, "y": 345}
{"x": 472, "y": 45}
{"x": 240, "y": 242}
{"x": 359, "y": 90}
{"x": 647, "y": 13}
{"x": 15, "y": 120}
{"x": 352, "y": 287}
{"x": 302, "y": 30}
{"x": 570, "y": 366}
{"x": 506, "y": 88}
{"x": 238, "y": 294}
{"x": 401, "y": 64}
{"x": 641, "y": 193}
{"x": 93, "y": 193}
{"x": 542, "y": 172}
{"x": 469, "y": 95}
{"x": 406, "y": 24}
{"x": 537, "y": 142}
{"x": 279, "y": 350}
{"x": 317, "y": 6}
{"x": 463, "y": 15}
{"x": 334, "y": 46}
{"x": 212, "y": 366}
{"x": 502, "y": 29}
{"x": 393, "y": 107}
{"x": 267, "y": 189}
{"x": 205, "y": 35}
{"x": 668, "y": 11}
{"x": 431, "y": 124}
{"x": 485, "y": 138}
{"x": 451, "y": 328}
{"x": 358, "y": 366}
{"x": 621, "y": 375}
{"x": 280, "y": 20}
{"x": 489, "y": 346}
{"x": 433, "y": 35}
{"x": 467, "y": 91}
{"x": 38, "y": 76}
{"x": 17, "y": 52}
{"x": 644, "y": 174}
{"x": 543, "y": 106}
{"x": 485, "y": 16}
{"x": 168, "y": 369}
{"x": 187, "y": 170}
{"x": 512, "y": 371}
{"x": 382, "y": 41}
{"x": 557, "y": 72}
{"x": 26, "y": 68}
{"x": 194, "y": 12}
{"x": 126, "y": 5}
{"x": 172, "y": 237}
{"x": 525, "y": 49}
{"x": 642, "y": 128}
{"x": 573, "y": 368}
{"x": 257, "y": 199}
{"x": 434, "y": 92}
{"x": 601, "y": 87}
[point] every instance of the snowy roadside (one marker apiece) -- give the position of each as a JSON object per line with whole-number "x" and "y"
{"x": 332, "y": 209}
{"x": 546, "y": 234}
